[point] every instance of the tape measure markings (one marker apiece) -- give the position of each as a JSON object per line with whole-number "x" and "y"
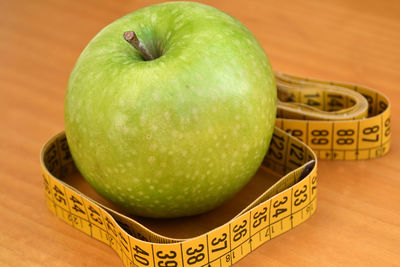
{"x": 378, "y": 120}
{"x": 79, "y": 212}
{"x": 110, "y": 235}
{"x": 283, "y": 206}
{"x": 352, "y": 137}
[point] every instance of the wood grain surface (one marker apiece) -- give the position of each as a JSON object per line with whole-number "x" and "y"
{"x": 357, "y": 222}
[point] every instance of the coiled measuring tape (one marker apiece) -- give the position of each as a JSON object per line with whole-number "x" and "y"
{"x": 328, "y": 120}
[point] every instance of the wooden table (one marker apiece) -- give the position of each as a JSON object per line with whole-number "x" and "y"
{"x": 357, "y": 222}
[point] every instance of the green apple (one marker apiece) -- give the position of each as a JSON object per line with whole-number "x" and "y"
{"x": 181, "y": 130}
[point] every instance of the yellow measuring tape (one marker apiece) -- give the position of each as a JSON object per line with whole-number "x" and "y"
{"x": 333, "y": 121}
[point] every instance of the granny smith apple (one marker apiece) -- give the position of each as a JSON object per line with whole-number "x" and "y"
{"x": 169, "y": 110}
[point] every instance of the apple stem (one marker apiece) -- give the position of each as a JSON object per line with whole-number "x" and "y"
{"x": 131, "y": 37}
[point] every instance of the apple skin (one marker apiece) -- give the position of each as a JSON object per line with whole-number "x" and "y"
{"x": 178, "y": 135}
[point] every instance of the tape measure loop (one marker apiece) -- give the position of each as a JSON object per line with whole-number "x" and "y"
{"x": 347, "y": 126}
{"x": 352, "y": 124}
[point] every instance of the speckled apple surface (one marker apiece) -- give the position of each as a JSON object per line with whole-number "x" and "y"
{"x": 178, "y": 135}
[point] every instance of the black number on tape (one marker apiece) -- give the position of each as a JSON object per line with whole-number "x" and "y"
{"x": 298, "y": 153}
{"x": 259, "y": 217}
{"x": 195, "y": 258}
{"x": 111, "y": 227}
{"x": 276, "y": 146}
{"x": 59, "y": 195}
{"x": 345, "y": 137}
{"x": 216, "y": 241}
{"x": 314, "y": 186}
{"x": 297, "y": 195}
{"x": 239, "y": 231}
{"x": 371, "y": 130}
{"x": 94, "y": 215}
{"x": 321, "y": 140}
{"x": 228, "y": 258}
{"x": 51, "y": 158}
{"x": 139, "y": 255}
{"x": 168, "y": 263}
{"x": 65, "y": 149}
{"x": 312, "y": 102}
{"x": 77, "y": 206}
{"x": 277, "y": 203}
{"x": 73, "y": 219}
{"x": 370, "y": 103}
{"x": 266, "y": 232}
{"x": 387, "y": 125}
{"x": 382, "y": 106}
{"x": 309, "y": 208}
{"x": 334, "y": 102}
